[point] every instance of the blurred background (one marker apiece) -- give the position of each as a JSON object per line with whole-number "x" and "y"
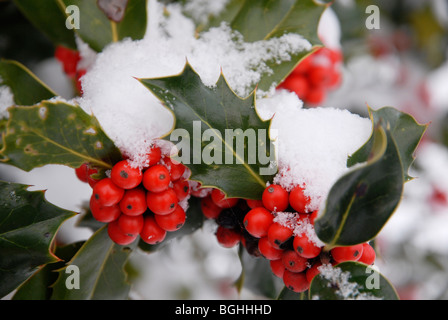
{"x": 402, "y": 64}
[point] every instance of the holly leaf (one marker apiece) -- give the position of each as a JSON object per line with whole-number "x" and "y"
{"x": 238, "y": 158}
{"x": 25, "y": 86}
{"x": 100, "y": 265}
{"x": 38, "y": 286}
{"x": 258, "y": 20}
{"x": 287, "y": 294}
{"x": 56, "y": 133}
{"x": 28, "y": 225}
{"x": 103, "y": 22}
{"x": 351, "y": 281}
{"x": 405, "y": 130}
{"x": 48, "y": 17}
{"x": 361, "y": 202}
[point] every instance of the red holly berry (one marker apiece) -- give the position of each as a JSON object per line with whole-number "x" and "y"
{"x": 130, "y": 225}
{"x": 156, "y": 178}
{"x": 227, "y": 238}
{"x": 278, "y": 234}
{"x": 304, "y": 247}
{"x": 81, "y": 172}
{"x": 313, "y": 271}
{"x": 267, "y": 250}
{"x": 254, "y": 203}
{"x": 316, "y": 95}
{"x": 181, "y": 188}
{"x": 368, "y": 254}
{"x": 106, "y": 193}
{"x": 154, "y": 155}
{"x": 219, "y": 198}
{"x": 350, "y": 253}
{"x": 298, "y": 200}
{"x": 295, "y": 281}
{"x": 275, "y": 198}
{"x": 175, "y": 168}
{"x": 257, "y": 222}
{"x": 209, "y": 208}
{"x": 90, "y": 179}
{"x": 151, "y": 232}
{"x": 293, "y": 262}
{"x": 319, "y": 75}
{"x": 79, "y": 75}
{"x": 163, "y": 202}
{"x": 173, "y": 221}
{"x": 296, "y": 83}
{"x": 125, "y": 176}
{"x": 277, "y": 267}
{"x": 118, "y": 236}
{"x": 69, "y": 59}
{"x": 104, "y": 214}
{"x": 133, "y": 202}
{"x": 313, "y": 216}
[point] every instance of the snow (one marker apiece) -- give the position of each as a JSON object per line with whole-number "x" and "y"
{"x": 6, "y": 100}
{"x": 313, "y": 144}
{"x": 299, "y": 226}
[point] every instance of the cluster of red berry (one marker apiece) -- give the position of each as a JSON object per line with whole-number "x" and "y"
{"x": 70, "y": 59}
{"x": 315, "y": 76}
{"x": 139, "y": 202}
{"x": 294, "y": 256}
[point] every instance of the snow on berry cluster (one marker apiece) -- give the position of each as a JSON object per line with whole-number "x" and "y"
{"x": 279, "y": 228}
{"x": 70, "y": 60}
{"x": 315, "y": 75}
{"x": 134, "y": 202}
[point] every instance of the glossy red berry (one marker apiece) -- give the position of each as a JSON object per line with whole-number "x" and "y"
{"x": 228, "y": 238}
{"x": 219, "y": 198}
{"x": 118, "y": 236}
{"x": 104, "y": 214}
{"x": 182, "y": 189}
{"x": 151, "y": 232}
{"x": 173, "y": 221}
{"x": 153, "y": 156}
{"x": 163, "y": 202}
{"x": 254, "y": 203}
{"x": 313, "y": 216}
{"x": 305, "y": 248}
{"x": 267, "y": 250}
{"x": 313, "y": 271}
{"x": 279, "y": 234}
{"x": 125, "y": 176}
{"x": 277, "y": 268}
{"x": 106, "y": 193}
{"x": 90, "y": 179}
{"x": 350, "y": 253}
{"x": 69, "y": 59}
{"x": 296, "y": 83}
{"x": 130, "y": 225}
{"x": 81, "y": 172}
{"x": 293, "y": 262}
{"x": 209, "y": 208}
{"x": 298, "y": 200}
{"x": 275, "y": 198}
{"x": 295, "y": 281}
{"x": 175, "y": 168}
{"x": 368, "y": 254}
{"x": 316, "y": 95}
{"x": 133, "y": 202}
{"x": 257, "y": 222}
{"x": 156, "y": 178}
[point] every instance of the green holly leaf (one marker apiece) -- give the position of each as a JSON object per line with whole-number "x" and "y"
{"x": 25, "y": 86}
{"x": 238, "y": 165}
{"x": 103, "y": 22}
{"x": 100, "y": 265}
{"x": 38, "y": 286}
{"x": 258, "y": 20}
{"x": 48, "y": 17}
{"x": 287, "y": 294}
{"x": 351, "y": 281}
{"x": 28, "y": 225}
{"x": 405, "y": 130}
{"x": 361, "y": 202}
{"x": 56, "y": 133}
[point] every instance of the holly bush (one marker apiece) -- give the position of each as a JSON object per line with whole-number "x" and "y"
{"x": 313, "y": 232}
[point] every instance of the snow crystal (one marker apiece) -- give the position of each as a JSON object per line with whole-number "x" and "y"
{"x": 313, "y": 144}
{"x": 299, "y": 225}
{"x": 340, "y": 279}
{"x": 6, "y": 100}
{"x": 200, "y": 10}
